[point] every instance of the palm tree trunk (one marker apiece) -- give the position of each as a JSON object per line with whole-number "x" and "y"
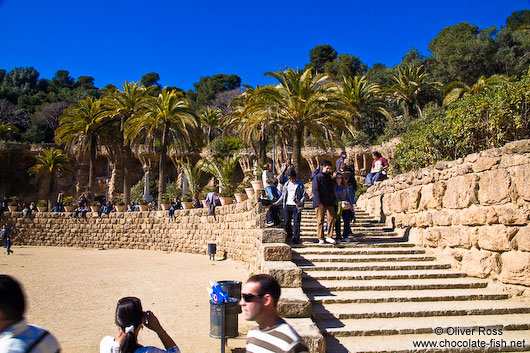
{"x": 127, "y": 174}
{"x": 51, "y": 187}
{"x": 91, "y": 169}
{"x": 262, "y": 150}
{"x": 162, "y": 168}
{"x": 297, "y": 146}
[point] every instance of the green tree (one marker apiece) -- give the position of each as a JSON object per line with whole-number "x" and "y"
{"x": 453, "y": 91}
{"x": 167, "y": 119}
{"x": 80, "y": 128}
{"x": 208, "y": 87}
{"x": 62, "y": 79}
{"x": 124, "y": 104}
{"x": 8, "y": 131}
{"x": 320, "y": 55}
{"x": 303, "y": 103}
{"x": 196, "y": 177}
{"x": 223, "y": 170}
{"x": 463, "y": 53}
{"x": 50, "y": 162}
{"x": 210, "y": 120}
{"x": 361, "y": 98}
{"x": 407, "y": 84}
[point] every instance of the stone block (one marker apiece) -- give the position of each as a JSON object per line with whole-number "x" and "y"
{"x": 520, "y": 177}
{"x": 476, "y": 216}
{"x": 479, "y": 263}
{"x": 272, "y": 235}
{"x": 485, "y": 163}
{"x": 294, "y": 303}
{"x": 431, "y": 237}
{"x": 285, "y": 272}
{"x": 442, "y": 218}
{"x": 522, "y": 146}
{"x": 461, "y": 191}
{"x": 494, "y": 187}
{"x": 511, "y": 214}
{"x": 431, "y": 196}
{"x": 521, "y": 240}
{"x": 496, "y": 238}
{"x": 516, "y": 268}
{"x": 310, "y": 333}
{"x": 277, "y": 252}
{"x": 455, "y": 237}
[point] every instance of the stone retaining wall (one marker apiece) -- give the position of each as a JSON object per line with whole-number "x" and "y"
{"x": 474, "y": 211}
{"x": 236, "y": 229}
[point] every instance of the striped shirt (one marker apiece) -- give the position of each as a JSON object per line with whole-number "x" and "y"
{"x": 281, "y": 338}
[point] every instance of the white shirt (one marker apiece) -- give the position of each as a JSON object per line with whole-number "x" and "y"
{"x": 109, "y": 345}
{"x": 266, "y": 176}
{"x": 290, "y": 189}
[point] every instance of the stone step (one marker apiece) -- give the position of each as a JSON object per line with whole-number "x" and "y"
{"x": 356, "y": 251}
{"x": 406, "y": 343}
{"x": 360, "y": 258}
{"x": 394, "y": 244}
{"x": 417, "y": 309}
{"x": 332, "y": 297}
{"x": 309, "y": 285}
{"x": 354, "y": 241}
{"x": 370, "y": 275}
{"x": 422, "y": 325}
{"x": 363, "y": 225}
{"x": 313, "y": 233}
{"x": 375, "y": 228}
{"x": 374, "y": 266}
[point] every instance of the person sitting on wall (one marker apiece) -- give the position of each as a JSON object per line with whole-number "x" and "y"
{"x": 172, "y": 209}
{"x": 379, "y": 169}
{"x": 269, "y": 183}
{"x": 81, "y": 210}
{"x": 15, "y": 334}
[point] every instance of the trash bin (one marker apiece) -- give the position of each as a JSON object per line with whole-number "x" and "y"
{"x": 230, "y": 316}
{"x": 233, "y": 289}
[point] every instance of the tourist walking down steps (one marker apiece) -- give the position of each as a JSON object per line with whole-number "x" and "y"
{"x": 292, "y": 199}
{"x": 324, "y": 201}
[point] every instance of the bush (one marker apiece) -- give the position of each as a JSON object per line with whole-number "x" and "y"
{"x": 225, "y": 146}
{"x": 42, "y": 203}
{"x": 491, "y": 118}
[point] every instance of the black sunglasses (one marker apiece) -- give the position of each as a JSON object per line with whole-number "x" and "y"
{"x": 249, "y": 298}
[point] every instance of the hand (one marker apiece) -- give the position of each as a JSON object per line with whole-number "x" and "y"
{"x": 151, "y": 322}
{"x": 298, "y": 203}
{"x": 321, "y": 206}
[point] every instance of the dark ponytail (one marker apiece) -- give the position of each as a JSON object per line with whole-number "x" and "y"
{"x": 129, "y": 312}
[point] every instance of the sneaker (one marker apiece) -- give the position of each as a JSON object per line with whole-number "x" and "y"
{"x": 269, "y": 224}
{"x": 347, "y": 240}
{"x": 330, "y": 240}
{"x": 321, "y": 241}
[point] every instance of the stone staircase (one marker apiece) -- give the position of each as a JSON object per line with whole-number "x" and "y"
{"x": 381, "y": 293}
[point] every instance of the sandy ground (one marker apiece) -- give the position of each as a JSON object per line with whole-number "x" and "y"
{"x": 73, "y": 292}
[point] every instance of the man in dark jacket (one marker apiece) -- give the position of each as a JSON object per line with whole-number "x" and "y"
{"x": 292, "y": 199}
{"x": 324, "y": 201}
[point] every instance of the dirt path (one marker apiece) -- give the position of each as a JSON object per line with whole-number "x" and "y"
{"x": 73, "y": 292}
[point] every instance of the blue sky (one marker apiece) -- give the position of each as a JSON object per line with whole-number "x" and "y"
{"x": 118, "y": 40}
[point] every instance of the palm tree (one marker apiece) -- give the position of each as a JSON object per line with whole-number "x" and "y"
{"x": 7, "y": 130}
{"x": 409, "y": 81}
{"x": 49, "y": 163}
{"x": 197, "y": 180}
{"x": 210, "y": 120}
{"x": 167, "y": 118}
{"x": 80, "y": 128}
{"x": 223, "y": 170}
{"x": 253, "y": 118}
{"x": 360, "y": 97}
{"x": 456, "y": 89}
{"x": 304, "y": 101}
{"x": 124, "y": 104}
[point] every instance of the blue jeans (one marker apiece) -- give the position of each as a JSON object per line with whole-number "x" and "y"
{"x": 291, "y": 212}
{"x": 346, "y": 217}
{"x": 272, "y": 192}
{"x": 371, "y": 178}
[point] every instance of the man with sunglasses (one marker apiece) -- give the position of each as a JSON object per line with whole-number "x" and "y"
{"x": 259, "y": 301}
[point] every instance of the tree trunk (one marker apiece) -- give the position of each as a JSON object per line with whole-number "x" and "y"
{"x": 297, "y": 147}
{"x": 127, "y": 174}
{"x": 162, "y": 168}
{"x": 51, "y": 187}
{"x": 91, "y": 170}
{"x": 262, "y": 151}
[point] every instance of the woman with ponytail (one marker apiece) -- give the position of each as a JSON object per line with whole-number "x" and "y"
{"x": 130, "y": 318}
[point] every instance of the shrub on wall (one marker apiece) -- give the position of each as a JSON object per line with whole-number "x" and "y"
{"x": 496, "y": 115}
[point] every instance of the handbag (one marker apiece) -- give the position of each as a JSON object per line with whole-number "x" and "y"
{"x": 345, "y": 205}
